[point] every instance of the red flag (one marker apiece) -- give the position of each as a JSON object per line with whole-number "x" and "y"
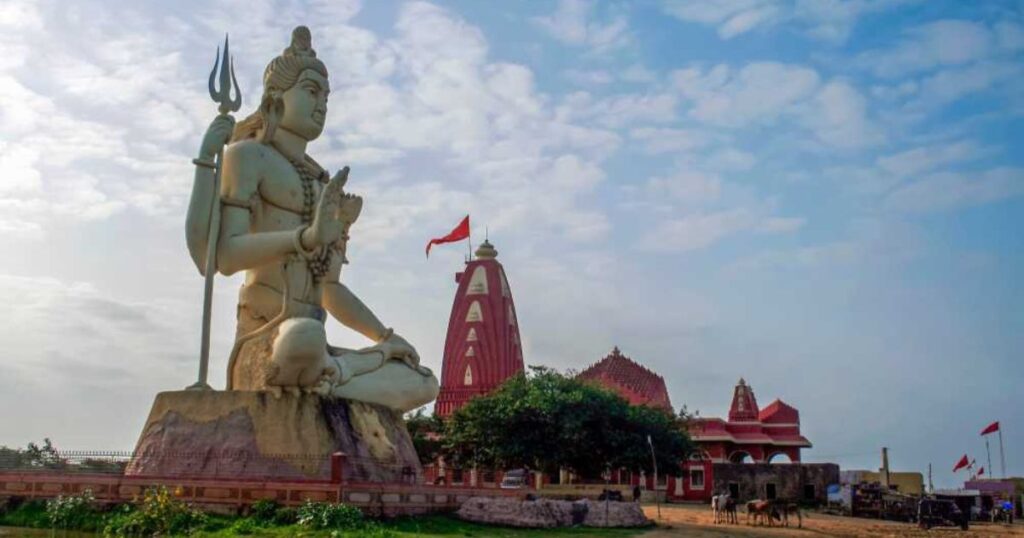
{"x": 981, "y": 471}
{"x": 991, "y": 428}
{"x": 460, "y": 232}
{"x": 961, "y": 464}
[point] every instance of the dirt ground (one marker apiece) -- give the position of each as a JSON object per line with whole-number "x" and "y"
{"x": 695, "y": 521}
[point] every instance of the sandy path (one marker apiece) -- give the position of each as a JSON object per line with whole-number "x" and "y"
{"x": 696, "y": 521}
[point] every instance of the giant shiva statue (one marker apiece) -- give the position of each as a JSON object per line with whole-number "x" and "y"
{"x": 285, "y": 222}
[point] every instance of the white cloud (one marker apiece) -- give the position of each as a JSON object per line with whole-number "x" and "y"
{"x": 657, "y": 140}
{"x": 619, "y": 110}
{"x": 935, "y": 44}
{"x": 686, "y": 186}
{"x": 927, "y": 158}
{"x": 826, "y": 20}
{"x": 594, "y": 77}
{"x": 838, "y": 116}
{"x": 757, "y": 93}
{"x": 945, "y": 191}
{"x": 573, "y": 23}
{"x": 702, "y": 229}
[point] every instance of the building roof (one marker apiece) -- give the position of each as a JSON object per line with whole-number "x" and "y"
{"x": 617, "y": 371}
{"x": 779, "y": 412}
{"x": 777, "y": 424}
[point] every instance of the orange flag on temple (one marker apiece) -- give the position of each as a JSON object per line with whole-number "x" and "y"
{"x": 991, "y": 428}
{"x": 459, "y": 233}
{"x": 961, "y": 464}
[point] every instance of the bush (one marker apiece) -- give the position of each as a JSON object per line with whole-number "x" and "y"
{"x": 20, "y": 512}
{"x": 264, "y": 511}
{"x": 244, "y": 526}
{"x": 329, "y": 516}
{"x": 286, "y": 516}
{"x": 73, "y": 512}
{"x": 158, "y": 513}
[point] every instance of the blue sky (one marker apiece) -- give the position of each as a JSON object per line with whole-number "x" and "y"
{"x": 823, "y": 197}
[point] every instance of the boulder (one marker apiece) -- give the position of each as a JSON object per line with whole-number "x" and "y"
{"x": 255, "y": 435}
{"x": 549, "y": 513}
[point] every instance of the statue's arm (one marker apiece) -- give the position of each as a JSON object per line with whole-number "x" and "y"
{"x": 345, "y": 307}
{"x": 238, "y": 248}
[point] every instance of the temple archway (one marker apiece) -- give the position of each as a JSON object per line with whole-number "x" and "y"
{"x": 741, "y": 456}
{"x": 780, "y": 457}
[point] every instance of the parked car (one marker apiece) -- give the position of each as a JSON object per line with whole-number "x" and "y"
{"x": 514, "y": 479}
{"x": 940, "y": 512}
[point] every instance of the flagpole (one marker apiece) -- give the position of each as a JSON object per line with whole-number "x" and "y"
{"x": 987, "y": 451}
{"x": 1002, "y": 455}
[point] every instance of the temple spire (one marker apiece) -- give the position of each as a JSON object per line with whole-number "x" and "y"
{"x": 744, "y": 404}
{"x": 483, "y": 347}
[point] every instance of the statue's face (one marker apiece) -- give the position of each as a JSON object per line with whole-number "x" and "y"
{"x": 305, "y": 105}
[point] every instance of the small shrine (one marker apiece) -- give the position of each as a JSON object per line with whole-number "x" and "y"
{"x": 750, "y": 434}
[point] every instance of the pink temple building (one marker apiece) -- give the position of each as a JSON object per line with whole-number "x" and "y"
{"x": 482, "y": 348}
{"x": 750, "y": 434}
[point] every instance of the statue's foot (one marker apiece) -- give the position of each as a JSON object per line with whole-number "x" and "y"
{"x": 299, "y": 360}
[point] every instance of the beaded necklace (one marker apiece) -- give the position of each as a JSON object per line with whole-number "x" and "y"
{"x": 320, "y": 262}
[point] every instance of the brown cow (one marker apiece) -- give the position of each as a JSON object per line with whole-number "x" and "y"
{"x": 759, "y": 509}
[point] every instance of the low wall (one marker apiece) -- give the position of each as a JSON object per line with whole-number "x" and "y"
{"x": 802, "y": 482}
{"x": 372, "y": 498}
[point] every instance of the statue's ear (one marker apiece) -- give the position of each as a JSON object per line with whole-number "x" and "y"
{"x": 271, "y": 109}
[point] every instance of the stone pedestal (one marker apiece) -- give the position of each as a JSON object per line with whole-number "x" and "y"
{"x": 255, "y": 435}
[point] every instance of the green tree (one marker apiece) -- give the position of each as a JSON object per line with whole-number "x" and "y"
{"x": 425, "y": 431}
{"x": 548, "y": 420}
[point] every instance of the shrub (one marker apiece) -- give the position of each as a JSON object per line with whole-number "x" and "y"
{"x": 286, "y": 516}
{"x": 264, "y": 511}
{"x": 244, "y": 526}
{"x": 158, "y": 513}
{"x": 73, "y": 511}
{"x": 329, "y": 516}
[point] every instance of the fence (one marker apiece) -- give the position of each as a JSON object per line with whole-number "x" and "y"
{"x": 223, "y": 464}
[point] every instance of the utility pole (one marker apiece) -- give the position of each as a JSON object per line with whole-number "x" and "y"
{"x": 931, "y": 488}
{"x": 654, "y": 460}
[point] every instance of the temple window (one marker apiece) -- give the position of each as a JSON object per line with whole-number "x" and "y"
{"x": 468, "y": 379}
{"x": 471, "y": 337}
{"x": 478, "y": 282}
{"x": 470, "y": 352}
{"x": 474, "y": 313}
{"x": 696, "y": 478}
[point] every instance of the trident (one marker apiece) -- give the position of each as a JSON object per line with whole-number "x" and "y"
{"x": 223, "y": 98}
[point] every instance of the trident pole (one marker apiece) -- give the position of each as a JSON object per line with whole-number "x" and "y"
{"x": 222, "y": 97}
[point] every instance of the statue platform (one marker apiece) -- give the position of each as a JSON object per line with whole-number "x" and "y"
{"x": 257, "y": 435}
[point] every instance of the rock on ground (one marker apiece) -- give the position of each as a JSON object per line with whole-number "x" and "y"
{"x": 548, "y": 513}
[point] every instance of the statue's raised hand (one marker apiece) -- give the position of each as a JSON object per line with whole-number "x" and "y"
{"x": 217, "y": 135}
{"x": 327, "y": 228}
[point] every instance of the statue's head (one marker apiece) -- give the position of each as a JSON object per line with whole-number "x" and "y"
{"x": 295, "y": 91}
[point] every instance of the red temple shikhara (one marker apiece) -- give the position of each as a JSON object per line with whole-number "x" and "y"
{"x": 482, "y": 348}
{"x": 638, "y": 385}
{"x": 750, "y": 433}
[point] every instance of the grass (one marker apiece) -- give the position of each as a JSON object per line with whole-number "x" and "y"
{"x": 33, "y": 515}
{"x": 434, "y": 526}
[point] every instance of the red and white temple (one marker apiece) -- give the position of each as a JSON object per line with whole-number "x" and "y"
{"x": 482, "y": 348}
{"x": 635, "y": 383}
{"x": 750, "y": 433}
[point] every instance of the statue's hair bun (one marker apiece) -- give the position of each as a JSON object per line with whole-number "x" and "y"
{"x": 302, "y": 43}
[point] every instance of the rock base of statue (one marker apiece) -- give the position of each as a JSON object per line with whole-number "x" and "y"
{"x": 256, "y": 435}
